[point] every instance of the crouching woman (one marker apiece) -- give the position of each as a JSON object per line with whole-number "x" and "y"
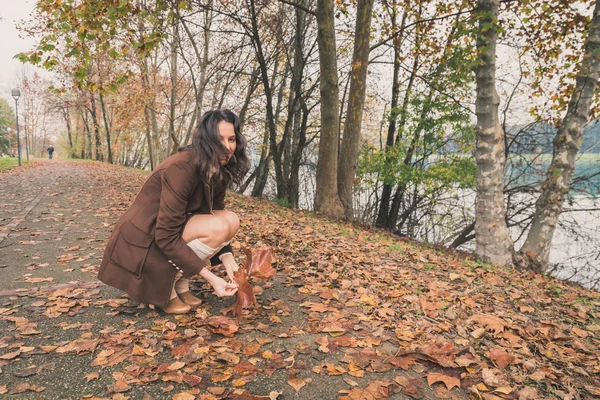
{"x": 178, "y": 224}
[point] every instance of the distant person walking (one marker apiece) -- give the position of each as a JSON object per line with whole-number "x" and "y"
{"x": 50, "y": 150}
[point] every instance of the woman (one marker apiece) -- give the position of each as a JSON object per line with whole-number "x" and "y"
{"x": 177, "y": 224}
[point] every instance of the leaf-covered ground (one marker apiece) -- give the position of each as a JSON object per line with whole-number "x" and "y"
{"x": 350, "y": 314}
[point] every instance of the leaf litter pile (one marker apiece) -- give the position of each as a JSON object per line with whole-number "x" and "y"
{"x": 357, "y": 314}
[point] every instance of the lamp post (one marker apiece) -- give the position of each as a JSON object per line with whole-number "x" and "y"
{"x": 16, "y": 93}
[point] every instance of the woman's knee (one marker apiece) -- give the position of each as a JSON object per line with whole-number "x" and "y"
{"x": 221, "y": 228}
{"x": 232, "y": 219}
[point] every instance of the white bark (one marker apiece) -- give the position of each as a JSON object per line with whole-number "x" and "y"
{"x": 567, "y": 142}
{"x": 491, "y": 232}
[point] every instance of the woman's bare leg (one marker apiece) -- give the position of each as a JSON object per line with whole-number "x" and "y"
{"x": 210, "y": 233}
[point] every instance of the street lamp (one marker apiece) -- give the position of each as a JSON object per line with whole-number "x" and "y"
{"x": 16, "y": 93}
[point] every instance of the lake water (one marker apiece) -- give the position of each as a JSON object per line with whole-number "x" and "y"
{"x": 575, "y": 253}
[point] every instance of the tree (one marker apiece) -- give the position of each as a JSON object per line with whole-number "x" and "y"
{"x": 327, "y": 199}
{"x": 493, "y": 239}
{"x": 7, "y": 120}
{"x": 535, "y": 251}
{"x": 358, "y": 87}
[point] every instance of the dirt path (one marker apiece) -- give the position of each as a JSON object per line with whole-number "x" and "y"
{"x": 350, "y": 314}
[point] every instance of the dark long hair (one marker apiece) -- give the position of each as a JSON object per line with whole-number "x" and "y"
{"x": 208, "y": 149}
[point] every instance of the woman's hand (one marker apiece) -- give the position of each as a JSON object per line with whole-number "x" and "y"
{"x": 222, "y": 288}
{"x": 230, "y": 265}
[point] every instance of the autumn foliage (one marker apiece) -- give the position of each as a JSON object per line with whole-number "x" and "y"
{"x": 258, "y": 264}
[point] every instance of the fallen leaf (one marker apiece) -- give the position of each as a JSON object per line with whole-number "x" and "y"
{"x": 491, "y": 322}
{"x": 92, "y": 376}
{"x": 296, "y": 383}
{"x": 501, "y": 358}
{"x": 118, "y": 387}
{"x": 25, "y": 387}
{"x": 176, "y": 365}
{"x": 260, "y": 264}
{"x": 244, "y": 297}
{"x": 183, "y": 396}
{"x": 449, "y": 381}
{"x": 223, "y": 326}
{"x": 39, "y": 280}
{"x": 10, "y": 356}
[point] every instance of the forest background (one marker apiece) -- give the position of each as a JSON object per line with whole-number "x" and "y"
{"x": 467, "y": 124}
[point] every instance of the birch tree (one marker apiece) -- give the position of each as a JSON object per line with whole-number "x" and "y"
{"x": 493, "y": 239}
{"x": 536, "y": 250}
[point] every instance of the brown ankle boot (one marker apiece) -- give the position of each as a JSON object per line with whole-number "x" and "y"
{"x": 176, "y": 306}
{"x": 189, "y": 299}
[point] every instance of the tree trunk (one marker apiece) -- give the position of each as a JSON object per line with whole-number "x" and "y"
{"x": 270, "y": 117}
{"x": 356, "y": 101}
{"x": 88, "y": 146}
{"x": 251, "y": 88}
{"x": 146, "y": 84}
{"x": 263, "y": 166}
{"x": 107, "y": 128}
{"x": 96, "y": 126}
{"x": 494, "y": 243}
{"x": 149, "y": 137}
{"x": 384, "y": 204}
{"x": 327, "y": 200}
{"x": 173, "y": 98}
{"x": 567, "y": 142}
{"x": 299, "y": 112}
{"x": 69, "y": 131}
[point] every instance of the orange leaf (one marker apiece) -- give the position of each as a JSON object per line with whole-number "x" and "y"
{"x": 491, "y": 322}
{"x": 501, "y": 358}
{"x": 223, "y": 326}
{"x": 93, "y": 375}
{"x": 118, "y": 387}
{"x": 296, "y": 383}
{"x": 10, "y": 356}
{"x": 259, "y": 263}
{"x": 244, "y": 297}
{"x": 449, "y": 381}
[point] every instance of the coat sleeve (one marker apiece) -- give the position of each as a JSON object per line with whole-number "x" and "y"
{"x": 219, "y": 204}
{"x": 177, "y": 185}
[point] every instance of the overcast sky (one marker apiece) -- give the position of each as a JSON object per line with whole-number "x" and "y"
{"x": 11, "y": 12}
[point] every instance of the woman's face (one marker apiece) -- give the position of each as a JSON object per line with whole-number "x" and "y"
{"x": 227, "y": 136}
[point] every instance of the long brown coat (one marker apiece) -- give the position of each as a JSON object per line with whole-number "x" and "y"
{"x": 147, "y": 240}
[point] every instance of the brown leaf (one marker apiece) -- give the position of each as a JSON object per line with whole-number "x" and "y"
{"x": 33, "y": 370}
{"x": 39, "y": 280}
{"x": 449, "y": 381}
{"x": 296, "y": 383}
{"x": 491, "y": 322}
{"x": 93, "y": 375}
{"x": 251, "y": 349}
{"x": 192, "y": 380}
{"x": 259, "y": 263}
{"x": 528, "y": 393}
{"x": 25, "y": 387}
{"x": 223, "y": 326}
{"x": 402, "y": 362}
{"x": 118, "y": 387}
{"x": 10, "y": 356}
{"x": 491, "y": 377}
{"x": 244, "y": 297}
{"x": 183, "y": 396}
{"x": 501, "y": 358}
{"x": 176, "y": 365}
